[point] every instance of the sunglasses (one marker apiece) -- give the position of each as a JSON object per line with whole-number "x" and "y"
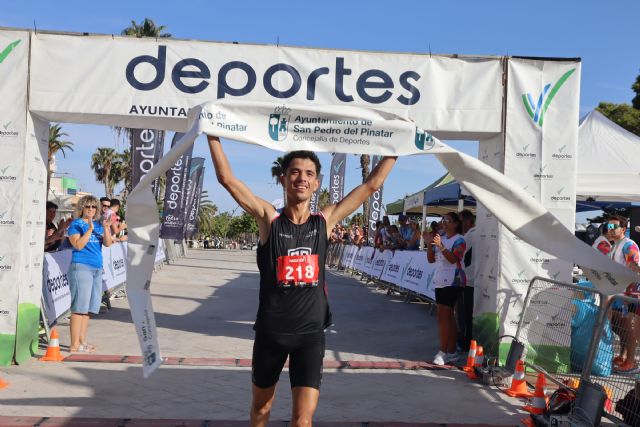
{"x": 106, "y": 206}
{"x": 91, "y": 207}
{"x": 613, "y": 226}
{"x": 446, "y": 221}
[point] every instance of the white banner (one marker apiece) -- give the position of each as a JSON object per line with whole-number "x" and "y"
{"x": 540, "y": 156}
{"x": 417, "y": 275}
{"x": 368, "y": 253}
{"x": 380, "y": 260}
{"x": 114, "y": 265}
{"x": 55, "y": 292}
{"x": 358, "y": 263}
{"x": 160, "y": 253}
{"x": 351, "y": 130}
{"x": 152, "y": 83}
{"x": 14, "y": 66}
{"x": 393, "y": 269}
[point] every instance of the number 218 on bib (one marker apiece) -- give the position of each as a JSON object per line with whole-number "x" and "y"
{"x": 297, "y": 271}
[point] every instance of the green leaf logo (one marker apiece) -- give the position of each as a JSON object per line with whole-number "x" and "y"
{"x": 6, "y": 125}
{"x": 561, "y": 149}
{"x": 7, "y": 50}
{"x": 4, "y": 169}
{"x": 536, "y": 110}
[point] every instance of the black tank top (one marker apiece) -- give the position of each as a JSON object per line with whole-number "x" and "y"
{"x": 293, "y": 298}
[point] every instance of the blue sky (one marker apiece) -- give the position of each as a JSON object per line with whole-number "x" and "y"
{"x": 602, "y": 33}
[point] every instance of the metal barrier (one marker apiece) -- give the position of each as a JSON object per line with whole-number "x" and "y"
{"x": 557, "y": 327}
{"x": 617, "y": 335}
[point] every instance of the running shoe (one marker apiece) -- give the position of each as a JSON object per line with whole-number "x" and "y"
{"x": 440, "y": 358}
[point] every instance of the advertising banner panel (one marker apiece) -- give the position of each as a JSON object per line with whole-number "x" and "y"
{"x": 14, "y": 72}
{"x": 173, "y": 212}
{"x": 315, "y": 197}
{"x": 55, "y": 293}
{"x": 152, "y": 83}
{"x": 114, "y": 265}
{"x": 336, "y": 177}
{"x": 32, "y": 242}
{"x": 374, "y": 206}
{"x": 192, "y": 220}
{"x": 147, "y": 146}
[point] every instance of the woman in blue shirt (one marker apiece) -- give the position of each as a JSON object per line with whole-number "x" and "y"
{"x": 87, "y": 234}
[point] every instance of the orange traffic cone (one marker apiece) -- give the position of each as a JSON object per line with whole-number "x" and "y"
{"x": 518, "y": 384}
{"x": 539, "y": 402}
{"x": 471, "y": 358}
{"x": 477, "y": 363}
{"x": 3, "y": 384}
{"x": 53, "y": 349}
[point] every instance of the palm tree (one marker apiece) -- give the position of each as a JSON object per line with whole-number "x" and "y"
{"x": 146, "y": 28}
{"x": 102, "y": 163}
{"x": 323, "y": 198}
{"x": 124, "y": 160}
{"x": 55, "y": 145}
{"x": 364, "y": 164}
{"x": 276, "y": 173}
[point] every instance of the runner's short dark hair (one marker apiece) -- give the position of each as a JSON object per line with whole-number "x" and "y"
{"x": 301, "y": 154}
{"x": 105, "y": 199}
{"x": 115, "y": 202}
{"x": 51, "y": 205}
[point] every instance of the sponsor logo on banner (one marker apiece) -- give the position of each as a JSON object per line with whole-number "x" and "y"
{"x": 6, "y": 131}
{"x": 561, "y": 154}
{"x": 538, "y": 258}
{"x": 424, "y": 140}
{"x": 524, "y": 153}
{"x": 537, "y": 109}
{"x": 193, "y": 75}
{"x": 560, "y": 196}
{"x": 8, "y": 49}
{"x": 220, "y": 120}
{"x": 4, "y": 265}
{"x": 542, "y": 174}
{"x": 520, "y": 279}
{"x": 5, "y": 176}
{"x": 5, "y": 220}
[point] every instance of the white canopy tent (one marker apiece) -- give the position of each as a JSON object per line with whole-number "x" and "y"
{"x": 608, "y": 161}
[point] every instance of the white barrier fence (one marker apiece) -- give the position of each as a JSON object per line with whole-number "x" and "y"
{"x": 406, "y": 269}
{"x": 56, "y": 297}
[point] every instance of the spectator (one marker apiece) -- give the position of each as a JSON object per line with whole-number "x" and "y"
{"x": 447, "y": 253}
{"x": 54, "y": 234}
{"x": 377, "y": 239}
{"x": 356, "y": 235}
{"x": 409, "y": 233}
{"x": 625, "y": 251}
{"x": 429, "y": 233}
{"x": 118, "y": 226}
{"x": 87, "y": 235}
{"x": 394, "y": 240}
{"x": 464, "y": 305}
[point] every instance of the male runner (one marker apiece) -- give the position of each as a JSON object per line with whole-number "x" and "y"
{"x": 293, "y": 310}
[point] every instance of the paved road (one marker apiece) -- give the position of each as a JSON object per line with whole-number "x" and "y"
{"x": 205, "y": 305}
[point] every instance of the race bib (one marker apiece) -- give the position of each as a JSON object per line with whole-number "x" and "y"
{"x": 297, "y": 271}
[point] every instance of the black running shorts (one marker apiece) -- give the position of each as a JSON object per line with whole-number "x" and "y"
{"x": 305, "y": 352}
{"x": 447, "y": 295}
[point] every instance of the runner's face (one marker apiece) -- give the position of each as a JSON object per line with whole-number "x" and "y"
{"x": 300, "y": 180}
